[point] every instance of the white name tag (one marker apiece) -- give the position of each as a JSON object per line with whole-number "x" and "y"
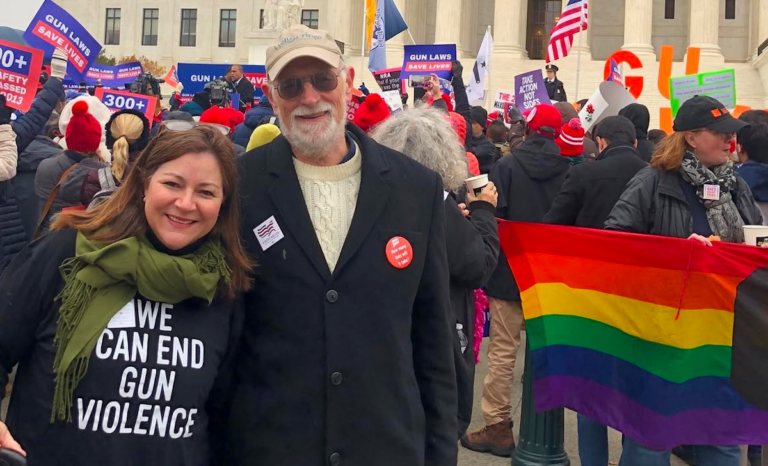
{"x": 268, "y": 233}
{"x": 712, "y": 192}
{"x": 125, "y": 317}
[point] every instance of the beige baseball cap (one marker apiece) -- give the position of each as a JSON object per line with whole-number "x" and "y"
{"x": 301, "y": 41}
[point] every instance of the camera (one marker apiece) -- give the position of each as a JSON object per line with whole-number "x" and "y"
{"x": 219, "y": 90}
{"x": 146, "y": 84}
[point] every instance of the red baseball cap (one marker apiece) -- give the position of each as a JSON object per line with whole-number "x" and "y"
{"x": 545, "y": 120}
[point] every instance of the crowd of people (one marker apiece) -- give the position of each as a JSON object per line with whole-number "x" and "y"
{"x": 276, "y": 285}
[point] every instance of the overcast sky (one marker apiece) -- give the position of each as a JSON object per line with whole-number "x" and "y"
{"x": 20, "y": 14}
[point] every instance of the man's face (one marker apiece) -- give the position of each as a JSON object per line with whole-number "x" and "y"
{"x": 314, "y": 119}
{"x": 235, "y": 73}
{"x": 551, "y": 75}
{"x": 477, "y": 130}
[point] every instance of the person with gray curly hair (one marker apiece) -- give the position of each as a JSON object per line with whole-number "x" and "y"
{"x": 472, "y": 237}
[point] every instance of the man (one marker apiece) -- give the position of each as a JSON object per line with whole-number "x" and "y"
{"x": 347, "y": 345}
{"x": 479, "y": 145}
{"x": 497, "y": 134}
{"x": 516, "y": 127}
{"x": 585, "y": 200}
{"x": 753, "y": 155}
{"x": 527, "y": 181}
{"x": 639, "y": 115}
{"x": 240, "y": 85}
{"x": 554, "y": 86}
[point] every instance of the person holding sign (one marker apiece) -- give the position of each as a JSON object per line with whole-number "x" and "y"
{"x": 691, "y": 190}
{"x": 123, "y": 319}
{"x": 555, "y": 87}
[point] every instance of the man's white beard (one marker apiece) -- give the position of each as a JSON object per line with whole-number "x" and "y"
{"x": 312, "y": 140}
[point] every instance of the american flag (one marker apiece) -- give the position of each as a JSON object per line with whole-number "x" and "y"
{"x": 574, "y": 18}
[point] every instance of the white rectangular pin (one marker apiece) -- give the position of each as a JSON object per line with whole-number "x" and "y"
{"x": 268, "y": 233}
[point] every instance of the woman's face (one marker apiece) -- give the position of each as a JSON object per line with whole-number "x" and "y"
{"x": 183, "y": 198}
{"x": 710, "y": 147}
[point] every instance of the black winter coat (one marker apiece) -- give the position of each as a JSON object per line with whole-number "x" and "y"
{"x": 485, "y": 152}
{"x": 12, "y": 234}
{"x": 253, "y": 117}
{"x": 355, "y": 366}
{"x": 527, "y": 180}
{"x": 640, "y": 117}
{"x": 556, "y": 90}
{"x": 654, "y": 203}
{"x": 591, "y": 190}
{"x": 473, "y": 249}
{"x": 24, "y": 182}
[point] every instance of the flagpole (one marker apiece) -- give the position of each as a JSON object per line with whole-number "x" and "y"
{"x": 578, "y": 54}
{"x": 365, "y": 26}
{"x": 411, "y": 36}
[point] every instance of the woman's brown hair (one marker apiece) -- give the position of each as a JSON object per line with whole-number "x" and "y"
{"x": 668, "y": 154}
{"x": 122, "y": 214}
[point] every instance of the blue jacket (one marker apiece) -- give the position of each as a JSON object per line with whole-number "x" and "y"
{"x": 12, "y": 235}
{"x": 253, "y": 116}
{"x": 192, "y": 108}
{"x": 756, "y": 176}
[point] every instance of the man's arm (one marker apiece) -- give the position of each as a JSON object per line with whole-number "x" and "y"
{"x": 432, "y": 339}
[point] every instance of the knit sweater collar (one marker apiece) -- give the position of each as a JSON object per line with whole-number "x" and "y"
{"x": 330, "y": 173}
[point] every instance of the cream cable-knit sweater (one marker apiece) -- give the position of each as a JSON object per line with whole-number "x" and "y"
{"x": 331, "y": 196}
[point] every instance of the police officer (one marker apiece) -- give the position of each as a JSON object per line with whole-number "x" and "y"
{"x": 554, "y": 86}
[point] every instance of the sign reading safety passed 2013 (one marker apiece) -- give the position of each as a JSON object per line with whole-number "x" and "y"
{"x": 121, "y": 100}
{"x": 20, "y": 68}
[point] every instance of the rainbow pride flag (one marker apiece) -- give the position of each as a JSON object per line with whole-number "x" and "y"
{"x": 638, "y": 332}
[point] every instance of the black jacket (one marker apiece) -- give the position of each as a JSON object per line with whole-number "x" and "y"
{"x": 654, "y": 203}
{"x": 473, "y": 249}
{"x": 556, "y": 90}
{"x": 591, "y": 190}
{"x": 119, "y": 405}
{"x": 485, "y": 152}
{"x": 245, "y": 88}
{"x": 527, "y": 180}
{"x": 253, "y": 117}
{"x": 42, "y": 148}
{"x": 355, "y": 366}
{"x": 639, "y": 115}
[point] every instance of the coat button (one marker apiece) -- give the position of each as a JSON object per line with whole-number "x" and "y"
{"x": 336, "y": 378}
{"x": 335, "y": 459}
{"x": 332, "y": 296}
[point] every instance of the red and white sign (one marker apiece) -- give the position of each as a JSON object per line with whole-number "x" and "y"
{"x": 20, "y": 68}
{"x": 122, "y": 100}
{"x": 352, "y": 106}
{"x": 399, "y": 252}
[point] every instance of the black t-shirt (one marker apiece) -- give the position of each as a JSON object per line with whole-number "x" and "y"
{"x": 154, "y": 380}
{"x": 698, "y": 211}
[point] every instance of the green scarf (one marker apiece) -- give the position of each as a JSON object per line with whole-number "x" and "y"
{"x": 102, "y": 278}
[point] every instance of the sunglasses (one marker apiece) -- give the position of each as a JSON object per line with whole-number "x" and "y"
{"x": 293, "y": 88}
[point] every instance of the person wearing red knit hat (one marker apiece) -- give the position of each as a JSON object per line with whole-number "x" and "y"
{"x": 528, "y": 179}
{"x": 83, "y": 136}
{"x": 571, "y": 141}
{"x": 371, "y": 112}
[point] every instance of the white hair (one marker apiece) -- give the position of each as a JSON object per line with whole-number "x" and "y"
{"x": 426, "y": 136}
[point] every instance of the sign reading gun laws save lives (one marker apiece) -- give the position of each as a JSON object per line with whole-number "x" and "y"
{"x": 19, "y": 73}
{"x": 52, "y": 28}
{"x": 427, "y": 59}
{"x": 121, "y": 100}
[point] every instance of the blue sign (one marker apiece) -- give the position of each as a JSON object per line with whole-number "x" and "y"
{"x": 20, "y": 68}
{"x": 121, "y": 100}
{"x": 530, "y": 90}
{"x": 428, "y": 59}
{"x": 194, "y": 76}
{"x": 52, "y": 28}
{"x": 110, "y": 76}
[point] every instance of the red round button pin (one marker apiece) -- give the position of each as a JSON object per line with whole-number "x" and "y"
{"x": 399, "y": 252}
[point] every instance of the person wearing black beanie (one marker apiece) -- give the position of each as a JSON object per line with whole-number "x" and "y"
{"x": 639, "y": 115}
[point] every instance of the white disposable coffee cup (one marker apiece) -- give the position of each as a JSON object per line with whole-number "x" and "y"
{"x": 476, "y": 183}
{"x": 755, "y": 235}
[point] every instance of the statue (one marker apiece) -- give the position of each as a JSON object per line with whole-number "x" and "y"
{"x": 271, "y": 15}
{"x": 292, "y": 12}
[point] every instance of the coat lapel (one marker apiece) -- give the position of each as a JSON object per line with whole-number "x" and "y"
{"x": 288, "y": 199}
{"x": 373, "y": 197}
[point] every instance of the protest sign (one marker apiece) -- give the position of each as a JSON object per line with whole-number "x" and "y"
{"x": 503, "y": 97}
{"x": 393, "y": 100}
{"x": 389, "y": 80}
{"x": 720, "y": 85}
{"x": 52, "y": 27}
{"x": 427, "y": 59}
{"x": 109, "y": 76}
{"x": 122, "y": 100}
{"x": 172, "y": 79}
{"x": 194, "y": 76}
{"x": 20, "y": 68}
{"x": 530, "y": 90}
{"x": 352, "y": 106}
{"x": 615, "y": 75}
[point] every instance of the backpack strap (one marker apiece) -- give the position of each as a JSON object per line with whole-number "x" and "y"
{"x": 49, "y": 202}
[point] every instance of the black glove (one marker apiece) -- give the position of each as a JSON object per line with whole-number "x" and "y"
{"x": 5, "y": 112}
{"x": 404, "y": 98}
{"x": 457, "y": 70}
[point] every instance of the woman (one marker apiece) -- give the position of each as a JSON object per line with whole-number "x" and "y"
{"x": 127, "y": 135}
{"x": 690, "y": 191}
{"x": 122, "y": 319}
{"x": 56, "y": 184}
{"x": 473, "y": 245}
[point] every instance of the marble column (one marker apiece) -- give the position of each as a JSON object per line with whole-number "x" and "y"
{"x": 449, "y": 22}
{"x": 638, "y": 28}
{"x": 509, "y": 28}
{"x": 704, "y": 24}
{"x": 762, "y": 21}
